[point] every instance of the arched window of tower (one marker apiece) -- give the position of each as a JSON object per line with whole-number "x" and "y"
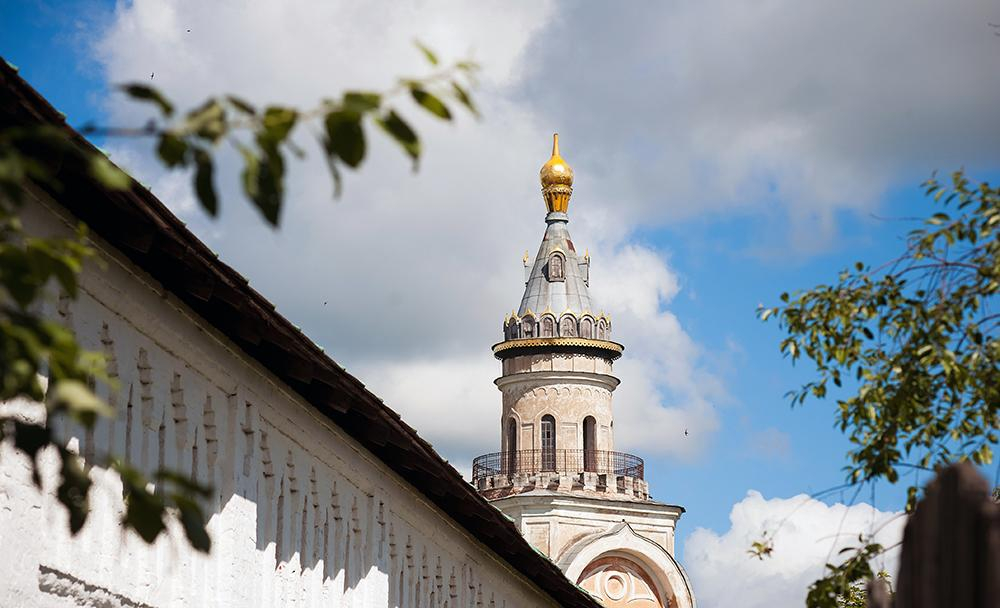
{"x": 587, "y": 328}
{"x": 548, "y": 429}
{"x": 602, "y": 330}
{"x": 589, "y": 444}
{"x": 511, "y": 446}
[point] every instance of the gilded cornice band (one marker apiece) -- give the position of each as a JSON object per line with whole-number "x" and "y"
{"x": 605, "y": 345}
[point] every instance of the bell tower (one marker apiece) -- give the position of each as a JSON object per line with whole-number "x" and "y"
{"x": 557, "y": 474}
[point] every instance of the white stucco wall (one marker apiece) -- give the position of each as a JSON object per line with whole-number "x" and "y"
{"x": 301, "y": 514}
{"x": 553, "y": 521}
{"x": 576, "y": 530}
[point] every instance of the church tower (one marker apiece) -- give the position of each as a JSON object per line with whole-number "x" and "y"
{"x": 557, "y": 474}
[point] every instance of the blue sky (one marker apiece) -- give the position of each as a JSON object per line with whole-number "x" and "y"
{"x": 743, "y": 170}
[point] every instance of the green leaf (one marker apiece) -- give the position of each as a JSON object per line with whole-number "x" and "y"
{"x": 107, "y": 174}
{"x": 207, "y": 121}
{"x": 400, "y": 131}
{"x": 345, "y": 137}
{"x": 145, "y": 93}
{"x": 241, "y": 105}
{"x": 430, "y": 102}
{"x": 203, "y": 182}
{"x": 262, "y": 178}
{"x": 251, "y": 169}
{"x": 76, "y": 398}
{"x": 30, "y": 439}
{"x": 144, "y": 513}
{"x": 194, "y": 523}
{"x": 171, "y": 149}
{"x": 463, "y": 96}
{"x": 278, "y": 123}
{"x": 73, "y": 489}
{"x": 428, "y": 54}
{"x": 338, "y": 180}
{"x": 362, "y": 101}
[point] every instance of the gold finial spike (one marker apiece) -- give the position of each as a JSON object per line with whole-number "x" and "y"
{"x": 557, "y": 180}
{"x": 525, "y": 258}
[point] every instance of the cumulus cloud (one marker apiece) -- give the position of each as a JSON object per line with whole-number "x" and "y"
{"x": 666, "y": 112}
{"x": 807, "y": 534}
{"x": 407, "y": 278}
{"x": 445, "y": 396}
{"x": 797, "y": 107}
{"x": 665, "y": 388}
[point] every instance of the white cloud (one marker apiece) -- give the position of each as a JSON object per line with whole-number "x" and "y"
{"x": 665, "y": 388}
{"x": 798, "y": 108}
{"x": 407, "y": 278}
{"x": 806, "y": 534}
{"x": 447, "y": 397}
{"x": 666, "y": 112}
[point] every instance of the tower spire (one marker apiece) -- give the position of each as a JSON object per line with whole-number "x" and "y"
{"x": 557, "y": 180}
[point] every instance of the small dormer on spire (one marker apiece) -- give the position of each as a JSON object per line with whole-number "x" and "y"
{"x": 557, "y": 180}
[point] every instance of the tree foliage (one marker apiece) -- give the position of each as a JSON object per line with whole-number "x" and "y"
{"x": 264, "y": 137}
{"x": 857, "y": 592}
{"x": 917, "y": 335}
{"x": 41, "y": 361}
{"x": 911, "y": 351}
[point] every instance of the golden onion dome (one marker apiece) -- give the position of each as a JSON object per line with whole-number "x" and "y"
{"x": 557, "y": 180}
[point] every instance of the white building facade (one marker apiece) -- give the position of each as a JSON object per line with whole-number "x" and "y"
{"x": 580, "y": 502}
{"x": 321, "y": 495}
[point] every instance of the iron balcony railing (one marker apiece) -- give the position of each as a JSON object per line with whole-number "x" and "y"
{"x": 556, "y": 461}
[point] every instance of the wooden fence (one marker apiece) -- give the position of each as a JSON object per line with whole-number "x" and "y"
{"x": 951, "y": 547}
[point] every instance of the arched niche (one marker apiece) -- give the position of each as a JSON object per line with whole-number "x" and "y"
{"x": 528, "y": 327}
{"x": 513, "y": 329}
{"x": 567, "y": 326}
{"x": 548, "y": 326}
{"x": 556, "y": 268}
{"x": 661, "y": 571}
